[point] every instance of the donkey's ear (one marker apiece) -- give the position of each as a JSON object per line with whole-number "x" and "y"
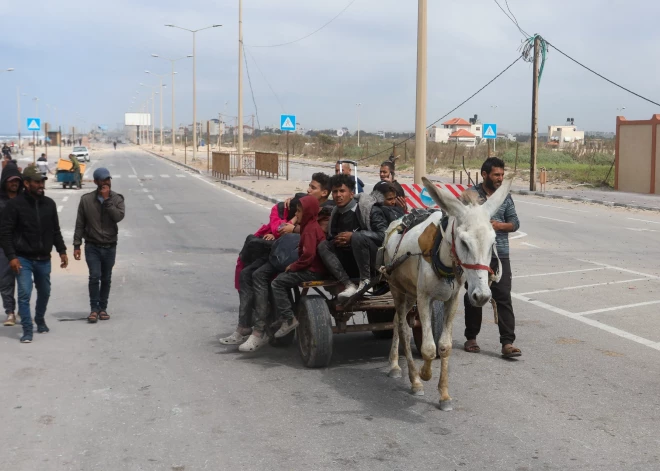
{"x": 492, "y": 205}
{"x": 447, "y": 201}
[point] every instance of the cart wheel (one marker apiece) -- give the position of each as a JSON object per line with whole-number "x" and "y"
{"x": 437, "y": 318}
{"x": 382, "y": 315}
{"x": 314, "y": 332}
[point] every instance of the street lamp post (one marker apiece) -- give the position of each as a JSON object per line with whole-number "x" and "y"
{"x": 18, "y": 115}
{"x": 172, "y": 61}
{"x": 420, "y": 117}
{"x": 358, "y": 116}
{"x": 494, "y": 107}
{"x": 160, "y": 76}
{"x": 194, "y": 33}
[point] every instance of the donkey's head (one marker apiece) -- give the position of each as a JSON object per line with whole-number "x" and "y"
{"x": 473, "y": 234}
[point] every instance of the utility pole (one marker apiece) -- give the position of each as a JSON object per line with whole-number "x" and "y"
{"x": 208, "y": 146}
{"x": 535, "y": 116}
{"x": 252, "y": 140}
{"x": 420, "y": 118}
{"x": 240, "y": 84}
{"x": 46, "y": 138}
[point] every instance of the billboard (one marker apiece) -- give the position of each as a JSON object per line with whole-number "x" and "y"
{"x": 137, "y": 119}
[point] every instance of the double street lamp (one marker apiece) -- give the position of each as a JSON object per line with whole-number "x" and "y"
{"x": 194, "y": 31}
{"x": 172, "y": 61}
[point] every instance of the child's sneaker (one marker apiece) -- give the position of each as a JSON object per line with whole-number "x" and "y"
{"x": 254, "y": 343}
{"x": 349, "y": 291}
{"x": 234, "y": 339}
{"x": 287, "y": 326}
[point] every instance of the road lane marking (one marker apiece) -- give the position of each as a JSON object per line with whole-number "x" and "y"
{"x": 148, "y": 176}
{"x": 65, "y": 199}
{"x": 616, "y": 308}
{"x": 132, "y": 176}
{"x": 114, "y": 177}
{"x": 180, "y": 175}
{"x": 644, "y": 220}
{"x": 145, "y": 190}
{"x": 558, "y": 272}
{"x": 169, "y": 219}
{"x": 530, "y": 245}
{"x": 151, "y": 197}
{"x": 550, "y": 206}
{"x": 558, "y": 220}
{"x": 641, "y": 230}
{"x": 165, "y": 176}
{"x": 520, "y": 235}
{"x": 132, "y": 168}
{"x": 584, "y": 286}
{"x": 612, "y": 267}
{"x": 591, "y": 322}
{"x": 158, "y": 207}
{"x": 60, "y": 208}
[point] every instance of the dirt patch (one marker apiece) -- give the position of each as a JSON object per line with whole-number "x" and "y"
{"x": 567, "y": 341}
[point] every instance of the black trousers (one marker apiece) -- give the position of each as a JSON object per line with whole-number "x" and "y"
{"x": 282, "y": 286}
{"x": 246, "y": 293}
{"x": 261, "y": 280}
{"x": 345, "y": 262}
{"x": 502, "y": 295}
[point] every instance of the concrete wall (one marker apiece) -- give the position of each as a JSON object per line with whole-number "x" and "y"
{"x": 637, "y": 155}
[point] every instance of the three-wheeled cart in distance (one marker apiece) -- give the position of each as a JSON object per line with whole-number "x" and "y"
{"x": 65, "y": 175}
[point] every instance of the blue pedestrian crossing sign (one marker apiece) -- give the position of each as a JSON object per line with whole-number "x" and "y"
{"x": 34, "y": 124}
{"x": 489, "y": 131}
{"x": 287, "y": 122}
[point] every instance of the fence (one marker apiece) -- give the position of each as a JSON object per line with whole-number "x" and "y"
{"x": 229, "y": 164}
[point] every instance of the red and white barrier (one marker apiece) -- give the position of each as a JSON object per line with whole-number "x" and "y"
{"x": 414, "y": 193}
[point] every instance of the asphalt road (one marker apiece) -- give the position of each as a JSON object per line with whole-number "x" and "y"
{"x": 152, "y": 389}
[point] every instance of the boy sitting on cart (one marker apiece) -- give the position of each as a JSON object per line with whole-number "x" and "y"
{"x": 355, "y": 232}
{"x": 308, "y": 267}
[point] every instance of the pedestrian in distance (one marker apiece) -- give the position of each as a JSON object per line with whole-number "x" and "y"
{"x": 76, "y": 171}
{"x": 99, "y": 212}
{"x": 11, "y": 184}
{"x": 114, "y": 144}
{"x": 29, "y": 229}
{"x": 503, "y": 222}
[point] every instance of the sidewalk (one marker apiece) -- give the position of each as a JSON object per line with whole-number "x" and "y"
{"x": 281, "y": 189}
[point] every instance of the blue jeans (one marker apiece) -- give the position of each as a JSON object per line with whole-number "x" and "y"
{"x": 40, "y": 270}
{"x": 100, "y": 261}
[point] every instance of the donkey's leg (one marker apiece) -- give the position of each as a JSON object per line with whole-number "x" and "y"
{"x": 444, "y": 349}
{"x": 395, "y": 369}
{"x": 429, "y": 347}
{"x": 404, "y": 335}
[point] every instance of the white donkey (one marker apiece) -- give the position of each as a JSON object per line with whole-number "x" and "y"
{"x": 468, "y": 247}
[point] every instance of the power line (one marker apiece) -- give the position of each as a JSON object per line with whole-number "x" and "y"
{"x": 450, "y": 112}
{"x": 313, "y": 32}
{"x": 512, "y": 18}
{"x": 265, "y": 79}
{"x": 256, "y": 110}
{"x": 601, "y": 76}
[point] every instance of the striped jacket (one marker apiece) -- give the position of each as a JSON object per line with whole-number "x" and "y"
{"x": 506, "y": 213}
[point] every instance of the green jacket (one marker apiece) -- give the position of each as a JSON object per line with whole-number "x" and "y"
{"x": 76, "y": 164}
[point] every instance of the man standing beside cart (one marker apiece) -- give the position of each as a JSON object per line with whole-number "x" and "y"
{"x": 76, "y": 171}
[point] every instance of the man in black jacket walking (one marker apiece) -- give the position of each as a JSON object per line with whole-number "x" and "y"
{"x": 98, "y": 215}
{"x": 30, "y": 228}
{"x": 11, "y": 184}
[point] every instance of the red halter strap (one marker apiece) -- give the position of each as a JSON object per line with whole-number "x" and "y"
{"x": 458, "y": 260}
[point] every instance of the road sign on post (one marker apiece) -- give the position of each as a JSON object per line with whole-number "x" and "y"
{"x": 34, "y": 124}
{"x": 489, "y": 131}
{"x": 287, "y": 122}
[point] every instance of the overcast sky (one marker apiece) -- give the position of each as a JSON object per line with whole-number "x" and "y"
{"x": 88, "y": 57}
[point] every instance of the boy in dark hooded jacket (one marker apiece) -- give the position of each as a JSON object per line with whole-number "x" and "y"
{"x": 308, "y": 267}
{"x": 11, "y": 184}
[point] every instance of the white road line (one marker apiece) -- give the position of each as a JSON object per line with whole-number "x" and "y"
{"x": 530, "y": 245}
{"x": 558, "y": 272}
{"x": 148, "y": 176}
{"x": 558, "y": 220}
{"x": 550, "y": 206}
{"x": 179, "y": 175}
{"x": 158, "y": 207}
{"x": 132, "y": 168}
{"x": 66, "y": 198}
{"x": 169, "y": 219}
{"x": 641, "y": 230}
{"x": 60, "y": 208}
{"x": 644, "y": 220}
{"x": 145, "y": 190}
{"x": 114, "y": 177}
{"x": 132, "y": 176}
{"x": 616, "y": 308}
{"x": 151, "y": 197}
{"x": 519, "y": 235}
{"x": 591, "y": 322}
{"x": 625, "y": 270}
{"x": 165, "y": 176}
{"x": 585, "y": 286}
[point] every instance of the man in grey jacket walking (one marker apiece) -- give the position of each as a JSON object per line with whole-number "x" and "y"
{"x": 98, "y": 215}
{"x": 504, "y": 221}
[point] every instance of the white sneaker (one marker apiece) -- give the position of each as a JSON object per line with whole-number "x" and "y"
{"x": 349, "y": 291}
{"x": 254, "y": 343}
{"x": 286, "y": 327}
{"x": 234, "y": 339}
{"x": 363, "y": 284}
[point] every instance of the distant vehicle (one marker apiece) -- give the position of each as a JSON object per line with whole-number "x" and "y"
{"x": 81, "y": 151}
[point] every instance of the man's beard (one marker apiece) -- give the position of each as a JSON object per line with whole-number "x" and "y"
{"x": 489, "y": 184}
